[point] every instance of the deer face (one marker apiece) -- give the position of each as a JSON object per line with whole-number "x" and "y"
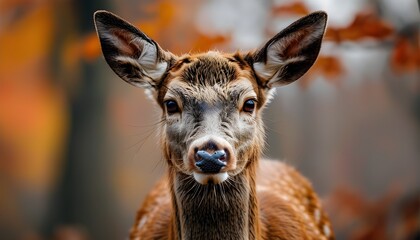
{"x": 211, "y": 103}
{"x": 211, "y": 113}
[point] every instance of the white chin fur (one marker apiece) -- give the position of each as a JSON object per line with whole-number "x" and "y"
{"x": 206, "y": 178}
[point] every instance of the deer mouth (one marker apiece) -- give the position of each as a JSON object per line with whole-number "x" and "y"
{"x": 205, "y": 178}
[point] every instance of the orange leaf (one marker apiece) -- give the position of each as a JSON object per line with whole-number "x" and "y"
{"x": 167, "y": 25}
{"x": 91, "y": 48}
{"x": 364, "y": 25}
{"x": 33, "y": 116}
{"x": 295, "y": 8}
{"x": 17, "y": 49}
{"x": 405, "y": 56}
{"x": 205, "y": 42}
{"x": 12, "y": 5}
{"x": 329, "y": 67}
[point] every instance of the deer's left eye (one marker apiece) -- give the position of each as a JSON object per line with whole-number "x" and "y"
{"x": 171, "y": 107}
{"x": 249, "y": 106}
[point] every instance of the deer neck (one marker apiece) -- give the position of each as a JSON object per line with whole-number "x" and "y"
{"x": 224, "y": 211}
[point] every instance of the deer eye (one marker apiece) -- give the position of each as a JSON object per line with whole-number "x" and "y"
{"x": 249, "y": 106}
{"x": 171, "y": 107}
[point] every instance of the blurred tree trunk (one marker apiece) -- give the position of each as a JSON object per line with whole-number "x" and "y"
{"x": 83, "y": 199}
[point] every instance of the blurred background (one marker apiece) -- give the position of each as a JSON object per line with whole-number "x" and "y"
{"x": 78, "y": 146}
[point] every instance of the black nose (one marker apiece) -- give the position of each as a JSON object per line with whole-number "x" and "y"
{"x": 211, "y": 163}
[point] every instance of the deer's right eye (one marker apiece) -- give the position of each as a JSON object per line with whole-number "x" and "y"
{"x": 171, "y": 107}
{"x": 249, "y": 106}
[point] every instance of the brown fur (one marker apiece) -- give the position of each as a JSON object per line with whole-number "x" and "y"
{"x": 286, "y": 206}
{"x": 281, "y": 203}
{"x": 258, "y": 199}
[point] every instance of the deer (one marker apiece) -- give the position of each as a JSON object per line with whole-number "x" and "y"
{"x": 217, "y": 184}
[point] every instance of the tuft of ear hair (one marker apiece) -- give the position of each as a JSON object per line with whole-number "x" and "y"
{"x": 290, "y": 53}
{"x": 130, "y": 53}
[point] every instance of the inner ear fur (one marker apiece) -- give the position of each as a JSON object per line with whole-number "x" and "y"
{"x": 130, "y": 53}
{"x": 290, "y": 53}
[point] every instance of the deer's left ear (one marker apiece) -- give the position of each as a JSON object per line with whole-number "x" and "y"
{"x": 289, "y": 54}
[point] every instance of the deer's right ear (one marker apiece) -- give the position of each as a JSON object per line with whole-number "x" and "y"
{"x": 132, "y": 55}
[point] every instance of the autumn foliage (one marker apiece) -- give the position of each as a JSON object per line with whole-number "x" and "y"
{"x": 36, "y": 90}
{"x": 364, "y": 25}
{"x": 329, "y": 67}
{"x": 166, "y": 17}
{"x": 405, "y": 56}
{"x": 169, "y": 27}
{"x": 294, "y": 8}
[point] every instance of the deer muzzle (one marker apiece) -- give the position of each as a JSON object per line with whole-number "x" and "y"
{"x": 211, "y": 163}
{"x": 210, "y": 158}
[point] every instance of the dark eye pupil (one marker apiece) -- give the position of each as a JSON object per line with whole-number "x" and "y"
{"x": 249, "y": 106}
{"x": 171, "y": 106}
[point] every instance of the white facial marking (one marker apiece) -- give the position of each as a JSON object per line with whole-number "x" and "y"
{"x": 212, "y": 121}
{"x": 205, "y": 178}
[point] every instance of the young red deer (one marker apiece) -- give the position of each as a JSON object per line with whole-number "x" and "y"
{"x": 212, "y": 136}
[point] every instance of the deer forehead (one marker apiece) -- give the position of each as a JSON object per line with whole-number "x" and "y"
{"x": 210, "y": 77}
{"x": 237, "y": 90}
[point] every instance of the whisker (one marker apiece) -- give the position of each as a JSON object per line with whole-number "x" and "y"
{"x": 142, "y": 141}
{"x": 161, "y": 162}
{"x": 203, "y": 195}
{"x": 147, "y": 125}
{"x": 197, "y": 190}
{"x": 222, "y": 191}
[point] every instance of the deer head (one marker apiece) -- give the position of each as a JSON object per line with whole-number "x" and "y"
{"x": 211, "y": 103}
